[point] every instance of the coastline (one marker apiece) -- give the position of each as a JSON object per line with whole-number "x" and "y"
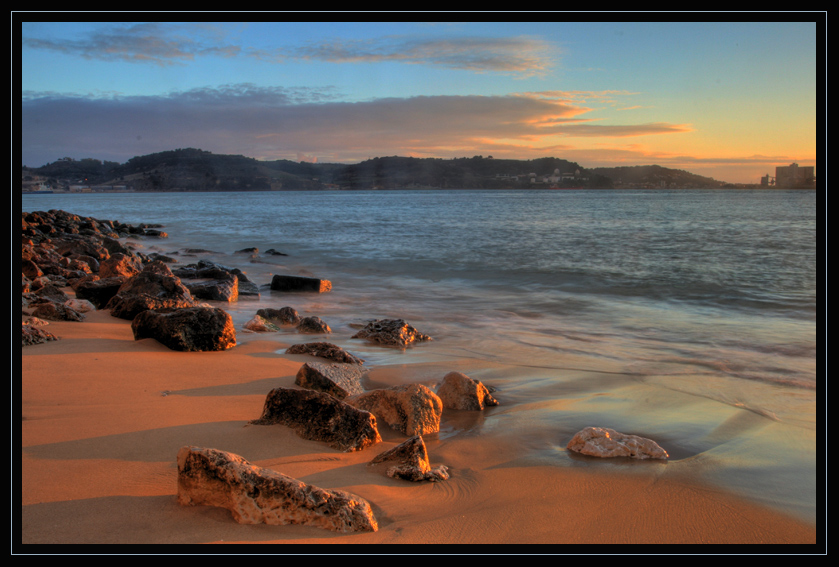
{"x": 104, "y": 416}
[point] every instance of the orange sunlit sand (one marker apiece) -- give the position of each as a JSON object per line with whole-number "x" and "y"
{"x": 104, "y": 417}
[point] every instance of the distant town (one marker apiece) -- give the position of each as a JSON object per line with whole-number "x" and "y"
{"x": 192, "y": 169}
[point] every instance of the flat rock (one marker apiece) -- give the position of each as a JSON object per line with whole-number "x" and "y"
{"x": 410, "y": 462}
{"x": 283, "y": 316}
{"x": 335, "y": 378}
{"x": 411, "y": 409}
{"x": 299, "y": 283}
{"x": 391, "y": 332}
{"x": 459, "y": 391}
{"x": 255, "y": 495}
{"x": 604, "y": 442}
{"x": 325, "y": 350}
{"x": 318, "y": 416}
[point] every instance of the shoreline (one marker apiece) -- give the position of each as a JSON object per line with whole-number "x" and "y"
{"x": 104, "y": 416}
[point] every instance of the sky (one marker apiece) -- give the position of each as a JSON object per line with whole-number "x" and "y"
{"x": 728, "y": 100}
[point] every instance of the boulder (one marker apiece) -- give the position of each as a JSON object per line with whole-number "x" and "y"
{"x": 222, "y": 289}
{"x": 317, "y": 416}
{"x": 260, "y": 325}
{"x": 338, "y": 379}
{"x": 99, "y": 291}
{"x": 254, "y": 495}
{"x": 391, "y": 332}
{"x": 410, "y": 460}
{"x": 156, "y": 287}
{"x": 56, "y": 312}
{"x": 217, "y": 282}
{"x": 283, "y": 316}
{"x": 187, "y": 329}
{"x": 300, "y": 283}
{"x": 313, "y": 326}
{"x": 604, "y": 442}
{"x": 325, "y": 350}
{"x": 459, "y": 391}
{"x": 119, "y": 264}
{"x": 411, "y": 409}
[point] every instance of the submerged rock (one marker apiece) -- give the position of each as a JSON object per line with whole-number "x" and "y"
{"x": 300, "y": 283}
{"x": 604, "y": 442}
{"x": 256, "y": 495}
{"x": 313, "y": 326}
{"x": 325, "y": 350}
{"x": 391, "y": 332}
{"x": 283, "y": 316}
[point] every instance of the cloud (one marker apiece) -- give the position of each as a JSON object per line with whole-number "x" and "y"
{"x": 283, "y": 123}
{"x": 520, "y": 55}
{"x": 155, "y": 43}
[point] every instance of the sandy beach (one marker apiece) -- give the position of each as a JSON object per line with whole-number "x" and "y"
{"x": 104, "y": 417}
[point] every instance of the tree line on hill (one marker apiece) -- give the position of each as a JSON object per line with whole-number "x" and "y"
{"x": 191, "y": 169}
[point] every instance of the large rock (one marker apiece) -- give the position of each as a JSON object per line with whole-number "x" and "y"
{"x": 604, "y": 442}
{"x": 391, "y": 332}
{"x": 317, "y": 416}
{"x": 411, "y": 409}
{"x": 187, "y": 329}
{"x": 325, "y": 350}
{"x": 99, "y": 291}
{"x": 299, "y": 283}
{"x": 56, "y": 312}
{"x": 33, "y": 334}
{"x": 119, "y": 264}
{"x": 338, "y": 379}
{"x": 222, "y": 289}
{"x": 255, "y": 495}
{"x": 410, "y": 460}
{"x": 216, "y": 282}
{"x": 156, "y": 287}
{"x": 459, "y": 391}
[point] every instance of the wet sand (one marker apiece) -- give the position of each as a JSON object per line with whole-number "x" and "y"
{"x": 104, "y": 417}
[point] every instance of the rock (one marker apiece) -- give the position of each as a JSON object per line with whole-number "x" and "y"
{"x": 187, "y": 329}
{"x": 56, "y": 312}
{"x": 215, "y": 282}
{"x": 255, "y": 495}
{"x": 226, "y": 289}
{"x": 253, "y": 250}
{"x": 99, "y": 291}
{"x": 411, "y": 409}
{"x": 411, "y": 458}
{"x": 284, "y": 316}
{"x": 325, "y": 350}
{"x": 119, "y": 264}
{"x": 260, "y": 325}
{"x": 80, "y": 305}
{"x": 300, "y": 283}
{"x": 156, "y": 287}
{"x": 317, "y": 416}
{"x": 391, "y": 332}
{"x": 339, "y": 380}
{"x": 272, "y": 252}
{"x": 313, "y": 326}
{"x": 459, "y": 391}
{"x": 604, "y": 442}
{"x": 34, "y": 334}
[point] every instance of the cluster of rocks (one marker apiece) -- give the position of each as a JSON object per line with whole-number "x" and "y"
{"x": 271, "y": 320}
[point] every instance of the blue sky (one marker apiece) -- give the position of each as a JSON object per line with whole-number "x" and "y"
{"x": 730, "y": 100}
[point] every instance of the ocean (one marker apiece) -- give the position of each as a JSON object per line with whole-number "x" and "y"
{"x": 686, "y": 316}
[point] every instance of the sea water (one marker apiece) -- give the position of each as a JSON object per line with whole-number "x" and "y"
{"x": 703, "y": 300}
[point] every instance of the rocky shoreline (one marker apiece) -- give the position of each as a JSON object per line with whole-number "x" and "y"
{"x": 329, "y": 405}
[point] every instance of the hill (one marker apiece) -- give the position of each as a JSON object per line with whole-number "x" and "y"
{"x": 191, "y": 169}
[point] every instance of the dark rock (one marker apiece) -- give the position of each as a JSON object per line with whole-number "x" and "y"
{"x": 272, "y": 252}
{"x": 335, "y": 378}
{"x": 247, "y": 251}
{"x": 56, "y": 312}
{"x": 300, "y": 283}
{"x": 255, "y": 495}
{"x": 284, "y": 316}
{"x": 411, "y": 462}
{"x": 226, "y": 289}
{"x": 317, "y": 416}
{"x": 391, "y": 332}
{"x": 313, "y": 326}
{"x": 99, "y": 291}
{"x": 187, "y": 329}
{"x": 33, "y": 335}
{"x": 325, "y": 350}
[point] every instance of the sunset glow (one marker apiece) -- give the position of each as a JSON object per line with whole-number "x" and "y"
{"x": 721, "y": 99}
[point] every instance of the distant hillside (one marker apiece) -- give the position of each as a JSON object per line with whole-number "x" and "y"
{"x": 192, "y": 169}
